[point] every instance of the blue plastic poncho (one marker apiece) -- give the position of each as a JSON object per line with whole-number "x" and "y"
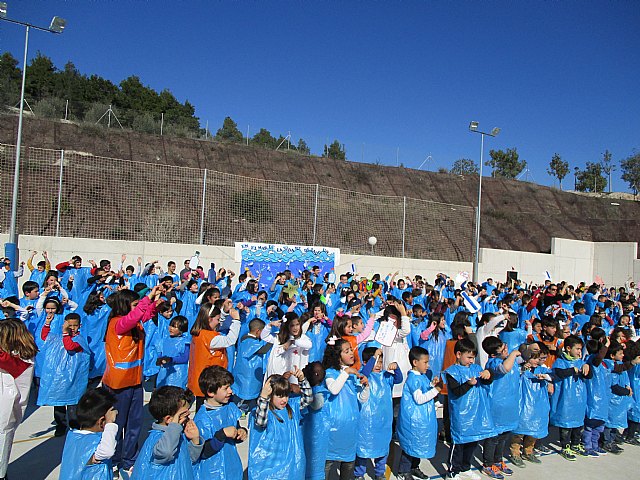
{"x": 178, "y": 469}
{"x": 569, "y": 399}
{"x": 226, "y": 464}
{"x": 436, "y": 347}
{"x": 78, "y": 450}
{"x": 634, "y": 379}
{"x": 318, "y": 333}
{"x": 417, "y": 424}
{"x": 249, "y": 368}
{"x": 618, "y": 405}
{"x": 534, "y": 404}
{"x": 513, "y": 339}
{"x": 189, "y": 307}
{"x": 174, "y": 374}
{"x": 342, "y": 416}
{"x": 93, "y": 328}
{"x": 598, "y": 391}
{"x": 151, "y": 349}
{"x": 470, "y": 413}
{"x": 65, "y": 374}
{"x": 38, "y": 276}
{"x": 376, "y": 417}
{"x": 504, "y": 395}
{"x": 315, "y": 431}
{"x": 277, "y": 451}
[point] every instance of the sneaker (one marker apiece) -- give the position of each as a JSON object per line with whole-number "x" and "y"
{"x": 504, "y": 469}
{"x": 492, "y": 472}
{"x": 612, "y": 448}
{"x": 417, "y": 473}
{"x": 126, "y": 474}
{"x": 453, "y": 476}
{"x": 359, "y": 478}
{"x": 591, "y": 454}
{"x": 600, "y": 452}
{"x": 632, "y": 441}
{"x": 404, "y": 476}
{"x": 579, "y": 450}
{"x": 543, "y": 449}
{"x": 530, "y": 458}
{"x": 61, "y": 431}
{"x": 567, "y": 454}
{"x": 517, "y": 461}
{"x": 470, "y": 475}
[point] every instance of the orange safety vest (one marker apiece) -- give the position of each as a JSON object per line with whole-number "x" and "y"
{"x": 448, "y": 360}
{"x": 124, "y": 357}
{"x": 200, "y": 357}
{"x": 354, "y": 346}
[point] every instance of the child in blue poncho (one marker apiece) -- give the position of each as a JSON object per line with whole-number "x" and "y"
{"x": 535, "y": 387}
{"x": 619, "y": 401}
{"x": 174, "y": 354}
{"x": 249, "y": 367}
{"x": 504, "y": 396}
{"x": 417, "y": 422}
{"x": 88, "y": 450}
{"x": 173, "y": 444}
{"x": 376, "y": 416}
{"x": 217, "y": 422}
{"x": 347, "y": 390}
{"x": 598, "y": 392}
{"x": 632, "y": 352}
{"x": 470, "y": 413}
{"x": 276, "y": 449}
{"x": 569, "y": 400}
{"x": 314, "y": 424}
{"x": 65, "y": 370}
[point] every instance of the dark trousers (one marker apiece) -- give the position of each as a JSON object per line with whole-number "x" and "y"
{"x": 346, "y": 469}
{"x": 632, "y": 429}
{"x": 64, "y": 416}
{"x": 407, "y": 463}
{"x": 460, "y": 457}
{"x": 570, "y": 436}
{"x": 245, "y": 406}
{"x": 493, "y": 449}
{"x": 129, "y": 420}
{"x": 446, "y": 420}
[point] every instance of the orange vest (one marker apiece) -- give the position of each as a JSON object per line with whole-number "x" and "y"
{"x": 354, "y": 346}
{"x": 448, "y": 360}
{"x": 124, "y": 357}
{"x": 200, "y": 357}
{"x": 551, "y": 357}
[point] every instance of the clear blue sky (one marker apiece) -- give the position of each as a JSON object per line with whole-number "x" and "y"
{"x": 555, "y": 76}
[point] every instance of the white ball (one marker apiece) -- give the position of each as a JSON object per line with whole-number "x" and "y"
{"x": 373, "y": 241}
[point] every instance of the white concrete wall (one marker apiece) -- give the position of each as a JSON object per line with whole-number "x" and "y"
{"x": 570, "y": 260}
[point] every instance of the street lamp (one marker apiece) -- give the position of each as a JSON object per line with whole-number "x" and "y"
{"x": 57, "y": 26}
{"x": 473, "y": 127}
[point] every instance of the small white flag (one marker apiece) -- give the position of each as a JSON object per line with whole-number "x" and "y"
{"x": 470, "y": 303}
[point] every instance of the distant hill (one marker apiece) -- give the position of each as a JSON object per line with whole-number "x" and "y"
{"x": 515, "y": 215}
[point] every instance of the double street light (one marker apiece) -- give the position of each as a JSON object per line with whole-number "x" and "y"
{"x": 57, "y": 26}
{"x": 473, "y": 127}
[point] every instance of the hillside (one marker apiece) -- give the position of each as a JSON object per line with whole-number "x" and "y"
{"x": 515, "y": 215}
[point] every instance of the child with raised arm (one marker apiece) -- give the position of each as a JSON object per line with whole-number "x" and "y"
{"x": 88, "y": 449}
{"x": 469, "y": 408}
{"x": 173, "y": 444}
{"x": 276, "y": 448}
{"x": 376, "y": 416}
{"x": 217, "y": 422}
{"x": 417, "y": 422}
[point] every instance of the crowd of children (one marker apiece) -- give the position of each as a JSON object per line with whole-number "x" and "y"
{"x": 328, "y": 372}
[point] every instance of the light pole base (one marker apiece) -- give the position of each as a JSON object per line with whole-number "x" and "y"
{"x": 11, "y": 251}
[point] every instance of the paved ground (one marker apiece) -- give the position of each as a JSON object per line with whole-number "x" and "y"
{"x": 36, "y": 456}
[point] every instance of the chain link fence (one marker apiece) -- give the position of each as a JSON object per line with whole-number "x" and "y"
{"x": 73, "y": 194}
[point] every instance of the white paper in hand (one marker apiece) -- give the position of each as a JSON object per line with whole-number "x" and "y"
{"x": 386, "y": 333}
{"x": 194, "y": 262}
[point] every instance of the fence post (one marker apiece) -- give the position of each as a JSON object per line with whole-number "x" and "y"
{"x": 404, "y": 222}
{"x": 315, "y": 215}
{"x": 204, "y": 196}
{"x": 59, "y": 193}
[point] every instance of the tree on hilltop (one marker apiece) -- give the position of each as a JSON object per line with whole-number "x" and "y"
{"x": 506, "y": 164}
{"x": 630, "y": 167}
{"x": 591, "y": 179}
{"x": 558, "y": 168}
{"x": 229, "y": 131}
{"x": 464, "y": 166}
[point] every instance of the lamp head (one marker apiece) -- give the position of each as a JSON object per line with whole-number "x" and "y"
{"x": 495, "y": 131}
{"x": 57, "y": 25}
{"x": 3, "y": 9}
{"x": 473, "y": 126}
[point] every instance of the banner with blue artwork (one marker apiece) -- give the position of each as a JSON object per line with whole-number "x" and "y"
{"x": 268, "y": 259}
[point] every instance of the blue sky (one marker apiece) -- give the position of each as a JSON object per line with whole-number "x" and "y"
{"x": 555, "y": 76}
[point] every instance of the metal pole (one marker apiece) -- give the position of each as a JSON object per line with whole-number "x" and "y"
{"x": 59, "y": 194}
{"x": 204, "y": 195}
{"x": 477, "y": 252}
{"x": 161, "y": 122}
{"x": 109, "y": 118}
{"x": 315, "y": 214}
{"x": 404, "y": 221}
{"x": 66, "y": 109}
{"x": 11, "y": 248}
{"x": 247, "y": 135}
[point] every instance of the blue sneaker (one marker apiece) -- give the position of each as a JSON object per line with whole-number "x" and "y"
{"x": 504, "y": 469}
{"x": 591, "y": 454}
{"x": 600, "y": 451}
{"x": 492, "y": 472}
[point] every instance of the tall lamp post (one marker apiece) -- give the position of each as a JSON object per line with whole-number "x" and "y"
{"x": 473, "y": 127}
{"x": 57, "y": 26}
